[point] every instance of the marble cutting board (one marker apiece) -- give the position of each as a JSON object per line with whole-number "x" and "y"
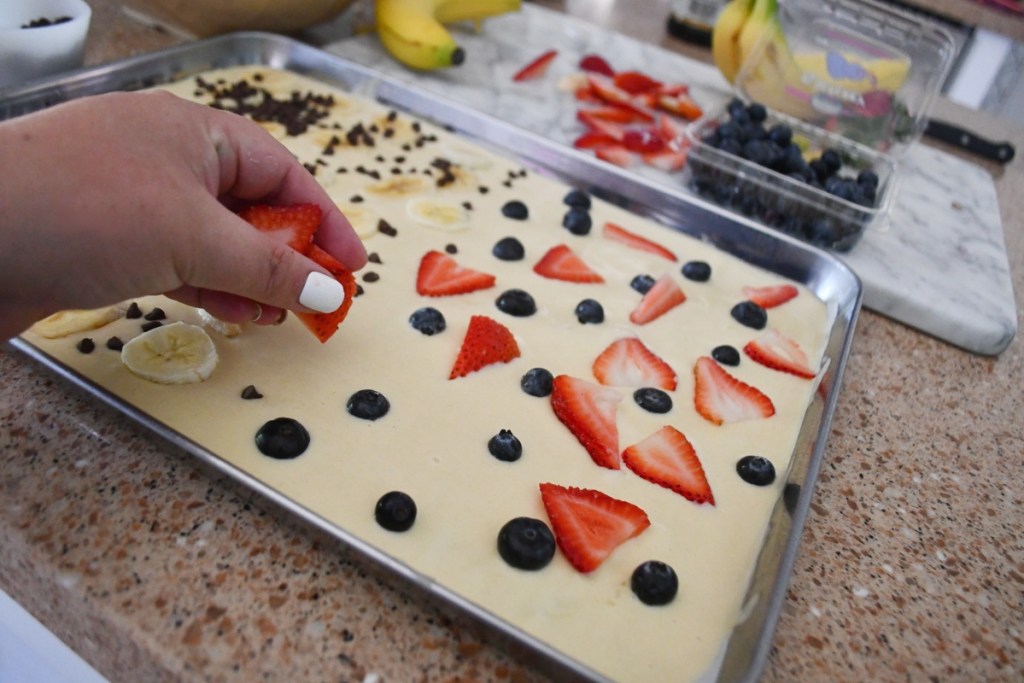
{"x": 940, "y": 263}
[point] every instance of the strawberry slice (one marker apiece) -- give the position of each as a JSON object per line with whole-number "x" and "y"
{"x": 619, "y": 234}
{"x": 720, "y": 398}
{"x": 589, "y": 525}
{"x": 589, "y": 411}
{"x": 440, "y": 275}
{"x": 537, "y": 68}
{"x": 296, "y": 223}
{"x": 599, "y": 125}
{"x": 667, "y": 458}
{"x": 596, "y": 64}
{"x": 680, "y": 105}
{"x": 561, "y": 263}
{"x": 667, "y": 160}
{"x": 671, "y": 132}
{"x": 617, "y": 114}
{"x": 659, "y": 300}
{"x": 643, "y": 140}
{"x": 606, "y": 89}
{"x": 594, "y": 140}
{"x": 629, "y": 363}
{"x": 616, "y": 154}
{"x": 674, "y": 89}
{"x": 635, "y": 82}
{"x": 486, "y": 342}
{"x": 324, "y": 325}
{"x": 777, "y": 352}
{"x": 771, "y": 295}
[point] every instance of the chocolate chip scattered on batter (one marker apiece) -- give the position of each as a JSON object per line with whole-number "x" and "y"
{"x": 86, "y": 345}
{"x": 451, "y": 248}
{"x": 156, "y": 314}
{"x": 250, "y": 393}
{"x": 370, "y": 276}
{"x": 133, "y": 311}
{"x": 356, "y": 199}
{"x": 386, "y": 228}
{"x": 373, "y": 257}
{"x": 151, "y": 325}
{"x": 115, "y": 344}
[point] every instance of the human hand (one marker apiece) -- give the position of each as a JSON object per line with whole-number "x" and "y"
{"x": 122, "y": 195}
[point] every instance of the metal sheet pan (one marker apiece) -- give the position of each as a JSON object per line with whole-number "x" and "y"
{"x": 750, "y": 642}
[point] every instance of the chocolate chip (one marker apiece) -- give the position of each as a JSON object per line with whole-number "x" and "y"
{"x": 386, "y": 228}
{"x": 151, "y": 325}
{"x": 133, "y": 311}
{"x": 249, "y": 393}
{"x": 115, "y": 344}
{"x": 370, "y": 276}
{"x": 156, "y": 314}
{"x": 86, "y": 345}
{"x": 373, "y": 257}
{"x": 451, "y": 248}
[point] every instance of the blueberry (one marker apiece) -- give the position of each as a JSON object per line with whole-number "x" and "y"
{"x": 537, "y": 382}
{"x": 698, "y": 271}
{"x": 508, "y": 249}
{"x": 731, "y": 131}
{"x": 516, "y": 302}
{"x": 578, "y": 199}
{"x": 822, "y": 232}
{"x": 589, "y": 311}
{"x": 755, "y": 131}
{"x": 642, "y": 283}
{"x": 781, "y": 135}
{"x": 821, "y": 169}
{"x": 726, "y": 355}
{"x": 738, "y": 112}
{"x": 505, "y": 446}
{"x": 731, "y": 146}
{"x": 368, "y": 404}
{"x": 831, "y": 158}
{"x": 653, "y": 400}
{"x": 756, "y": 470}
{"x": 868, "y": 178}
{"x": 395, "y": 511}
{"x": 515, "y": 210}
{"x": 577, "y": 221}
{"x": 655, "y": 583}
{"x": 757, "y": 112}
{"x": 282, "y": 438}
{"x": 526, "y": 543}
{"x": 427, "y": 320}
{"x": 750, "y": 314}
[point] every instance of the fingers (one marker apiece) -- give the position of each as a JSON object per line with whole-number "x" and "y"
{"x": 255, "y": 167}
{"x": 230, "y": 308}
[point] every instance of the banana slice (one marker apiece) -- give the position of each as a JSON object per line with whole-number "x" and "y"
{"x": 178, "y": 353}
{"x": 466, "y": 156}
{"x": 439, "y": 214}
{"x": 217, "y": 325}
{"x": 402, "y": 186}
{"x": 364, "y": 220}
{"x": 63, "y": 323}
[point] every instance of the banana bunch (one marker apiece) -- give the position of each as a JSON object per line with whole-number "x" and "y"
{"x": 414, "y": 32}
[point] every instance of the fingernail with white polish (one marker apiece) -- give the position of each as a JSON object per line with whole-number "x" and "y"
{"x": 322, "y": 293}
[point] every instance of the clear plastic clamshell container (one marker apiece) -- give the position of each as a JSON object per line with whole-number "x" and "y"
{"x": 851, "y": 76}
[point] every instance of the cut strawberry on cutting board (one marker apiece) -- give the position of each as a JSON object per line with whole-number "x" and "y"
{"x": 589, "y": 525}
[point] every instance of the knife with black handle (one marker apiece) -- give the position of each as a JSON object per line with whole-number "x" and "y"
{"x": 1002, "y": 152}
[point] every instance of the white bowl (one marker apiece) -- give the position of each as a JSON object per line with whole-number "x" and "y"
{"x": 30, "y": 53}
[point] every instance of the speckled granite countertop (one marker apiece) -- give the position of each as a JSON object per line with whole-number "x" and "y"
{"x": 154, "y": 568}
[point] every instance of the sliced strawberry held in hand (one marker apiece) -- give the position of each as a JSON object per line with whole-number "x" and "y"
{"x": 486, "y": 342}
{"x": 619, "y": 234}
{"x": 296, "y": 223}
{"x": 561, "y": 263}
{"x": 629, "y": 363}
{"x": 537, "y": 68}
{"x": 667, "y": 458}
{"x": 324, "y": 325}
{"x": 777, "y": 352}
{"x": 589, "y": 525}
{"x": 440, "y": 275}
{"x": 659, "y": 300}
{"x": 720, "y": 398}
{"x": 589, "y": 411}
{"x": 770, "y": 296}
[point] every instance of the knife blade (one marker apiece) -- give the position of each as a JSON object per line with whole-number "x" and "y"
{"x": 1002, "y": 152}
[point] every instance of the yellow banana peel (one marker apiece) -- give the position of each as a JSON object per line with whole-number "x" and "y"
{"x": 725, "y": 37}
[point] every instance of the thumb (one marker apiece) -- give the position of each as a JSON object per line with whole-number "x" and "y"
{"x": 229, "y": 255}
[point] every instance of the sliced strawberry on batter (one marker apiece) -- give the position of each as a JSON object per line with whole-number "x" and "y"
{"x": 561, "y": 263}
{"x": 588, "y": 524}
{"x": 593, "y": 139}
{"x": 629, "y": 363}
{"x": 486, "y": 342}
{"x": 771, "y": 295}
{"x": 667, "y": 458}
{"x": 659, "y": 300}
{"x": 536, "y": 68}
{"x": 632, "y": 240}
{"x": 324, "y": 325}
{"x": 616, "y": 154}
{"x": 778, "y": 352}
{"x": 588, "y": 410}
{"x": 440, "y": 275}
{"x": 596, "y": 64}
{"x": 635, "y": 82}
{"x": 721, "y": 398}
{"x": 296, "y": 223}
